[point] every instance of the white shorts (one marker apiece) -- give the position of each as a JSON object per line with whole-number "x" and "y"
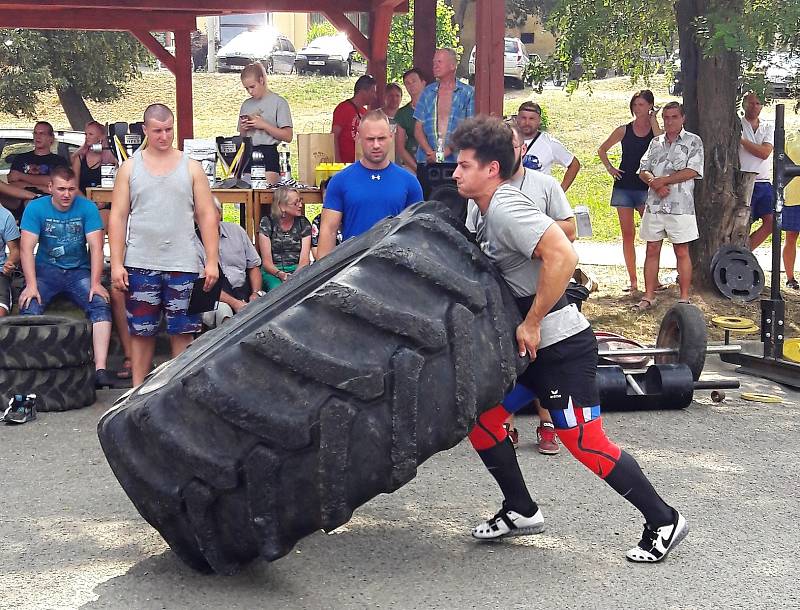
{"x": 678, "y": 228}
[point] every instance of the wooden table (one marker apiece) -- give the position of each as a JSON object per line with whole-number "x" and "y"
{"x": 242, "y": 198}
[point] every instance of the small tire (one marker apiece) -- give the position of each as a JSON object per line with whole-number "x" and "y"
{"x": 44, "y": 342}
{"x": 61, "y": 389}
{"x": 684, "y": 327}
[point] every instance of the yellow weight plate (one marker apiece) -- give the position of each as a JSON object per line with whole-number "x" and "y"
{"x": 791, "y": 350}
{"x": 754, "y": 397}
{"x": 747, "y": 331}
{"x": 732, "y": 322}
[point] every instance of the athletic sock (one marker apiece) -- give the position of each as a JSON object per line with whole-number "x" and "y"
{"x": 501, "y": 462}
{"x": 628, "y": 480}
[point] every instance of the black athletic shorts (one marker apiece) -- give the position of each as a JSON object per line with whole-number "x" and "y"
{"x": 564, "y": 370}
{"x": 5, "y": 292}
{"x": 270, "y": 152}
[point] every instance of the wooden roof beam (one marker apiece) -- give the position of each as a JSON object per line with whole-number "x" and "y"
{"x": 342, "y": 23}
{"x": 196, "y": 7}
{"x": 83, "y": 19}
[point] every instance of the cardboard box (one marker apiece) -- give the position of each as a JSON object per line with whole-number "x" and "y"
{"x": 313, "y": 149}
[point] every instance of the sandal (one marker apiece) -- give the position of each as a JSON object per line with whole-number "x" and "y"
{"x": 644, "y": 304}
{"x": 631, "y": 289}
{"x": 125, "y": 372}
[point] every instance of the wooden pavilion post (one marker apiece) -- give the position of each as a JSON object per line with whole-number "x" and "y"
{"x": 490, "y": 25}
{"x": 424, "y": 36}
{"x": 380, "y": 22}
{"x": 183, "y": 85}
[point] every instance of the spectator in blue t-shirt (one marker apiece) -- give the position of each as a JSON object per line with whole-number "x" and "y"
{"x": 9, "y": 236}
{"x": 368, "y": 191}
{"x": 62, "y": 224}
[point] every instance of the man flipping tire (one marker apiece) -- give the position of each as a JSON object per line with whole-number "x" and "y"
{"x": 536, "y": 259}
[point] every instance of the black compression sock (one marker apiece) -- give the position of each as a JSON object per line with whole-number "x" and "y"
{"x": 501, "y": 462}
{"x": 628, "y": 480}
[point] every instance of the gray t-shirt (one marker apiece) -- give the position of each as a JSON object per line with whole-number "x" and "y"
{"x": 508, "y": 234}
{"x": 546, "y": 192}
{"x": 236, "y": 253}
{"x": 273, "y": 109}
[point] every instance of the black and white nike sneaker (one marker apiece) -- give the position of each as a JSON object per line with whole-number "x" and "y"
{"x": 655, "y": 544}
{"x": 507, "y": 523}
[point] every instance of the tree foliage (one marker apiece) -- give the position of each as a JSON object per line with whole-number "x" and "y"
{"x": 324, "y": 28}
{"x": 97, "y": 65}
{"x": 518, "y": 11}
{"x": 401, "y": 38}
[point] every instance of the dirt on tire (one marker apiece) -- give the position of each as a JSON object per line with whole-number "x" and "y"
{"x": 332, "y": 389}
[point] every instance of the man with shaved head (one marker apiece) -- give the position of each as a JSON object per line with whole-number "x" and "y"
{"x": 159, "y": 194}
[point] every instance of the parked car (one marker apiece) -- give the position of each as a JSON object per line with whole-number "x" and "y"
{"x": 14, "y": 141}
{"x": 268, "y": 46}
{"x": 326, "y": 55}
{"x": 515, "y": 61}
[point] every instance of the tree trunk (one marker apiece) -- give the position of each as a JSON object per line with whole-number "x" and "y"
{"x": 710, "y": 93}
{"x": 75, "y": 108}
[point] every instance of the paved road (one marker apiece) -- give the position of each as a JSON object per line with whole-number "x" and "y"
{"x": 69, "y": 537}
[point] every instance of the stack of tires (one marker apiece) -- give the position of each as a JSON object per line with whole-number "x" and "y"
{"x": 50, "y": 356}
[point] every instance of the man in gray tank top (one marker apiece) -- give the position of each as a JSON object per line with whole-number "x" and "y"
{"x": 159, "y": 194}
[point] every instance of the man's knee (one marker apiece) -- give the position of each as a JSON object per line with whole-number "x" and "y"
{"x": 653, "y": 248}
{"x": 590, "y": 446}
{"x": 489, "y": 430}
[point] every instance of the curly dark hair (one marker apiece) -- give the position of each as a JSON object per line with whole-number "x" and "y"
{"x": 490, "y": 138}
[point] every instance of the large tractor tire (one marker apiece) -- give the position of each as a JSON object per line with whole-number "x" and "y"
{"x": 44, "y": 342}
{"x": 327, "y": 392}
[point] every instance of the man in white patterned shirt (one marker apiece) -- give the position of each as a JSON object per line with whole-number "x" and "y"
{"x": 673, "y": 161}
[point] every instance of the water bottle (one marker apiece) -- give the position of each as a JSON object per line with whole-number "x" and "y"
{"x": 440, "y": 150}
{"x": 258, "y": 171}
{"x": 283, "y": 162}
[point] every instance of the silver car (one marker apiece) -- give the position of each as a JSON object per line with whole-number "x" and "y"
{"x": 515, "y": 61}
{"x": 268, "y": 46}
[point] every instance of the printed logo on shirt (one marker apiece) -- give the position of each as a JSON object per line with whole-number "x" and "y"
{"x": 36, "y": 169}
{"x": 532, "y": 162}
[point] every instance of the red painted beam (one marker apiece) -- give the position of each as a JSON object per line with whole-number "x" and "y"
{"x": 424, "y": 36}
{"x": 380, "y": 22}
{"x": 164, "y": 56}
{"x": 490, "y": 23}
{"x": 84, "y": 19}
{"x": 340, "y": 21}
{"x": 198, "y": 7}
{"x": 183, "y": 85}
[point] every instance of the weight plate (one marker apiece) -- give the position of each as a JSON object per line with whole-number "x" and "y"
{"x": 732, "y": 322}
{"x": 754, "y": 397}
{"x": 791, "y": 350}
{"x": 738, "y": 276}
{"x": 746, "y": 331}
{"x": 725, "y": 249}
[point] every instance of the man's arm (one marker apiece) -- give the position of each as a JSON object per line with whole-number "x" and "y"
{"x": 13, "y": 256}
{"x": 95, "y": 241}
{"x": 284, "y": 134}
{"x": 15, "y": 191}
{"x": 568, "y": 226}
{"x": 569, "y": 176}
{"x": 118, "y": 225}
{"x": 422, "y": 142}
{"x": 235, "y": 304}
{"x": 762, "y": 151}
{"x": 27, "y": 243}
{"x": 256, "y": 281}
{"x": 558, "y": 264}
{"x": 18, "y": 178}
{"x": 205, "y": 214}
{"x": 400, "y": 148}
{"x": 329, "y": 225}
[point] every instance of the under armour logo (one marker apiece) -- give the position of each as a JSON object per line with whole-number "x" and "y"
{"x": 375, "y": 176}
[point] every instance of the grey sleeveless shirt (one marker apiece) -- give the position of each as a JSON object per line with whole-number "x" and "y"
{"x": 161, "y": 233}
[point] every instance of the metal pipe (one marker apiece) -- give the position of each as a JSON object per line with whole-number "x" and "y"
{"x": 664, "y": 351}
{"x": 634, "y": 386}
{"x": 716, "y": 384}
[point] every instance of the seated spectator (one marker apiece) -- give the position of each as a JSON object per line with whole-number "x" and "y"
{"x": 62, "y": 224}
{"x": 315, "y": 224}
{"x": 31, "y": 170}
{"x": 284, "y": 238}
{"x": 86, "y": 163}
{"x": 241, "y": 271}
{"x": 265, "y": 117}
{"x": 9, "y": 236}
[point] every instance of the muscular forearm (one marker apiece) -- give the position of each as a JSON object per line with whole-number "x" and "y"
{"x": 762, "y": 151}
{"x": 326, "y": 243}
{"x": 568, "y": 226}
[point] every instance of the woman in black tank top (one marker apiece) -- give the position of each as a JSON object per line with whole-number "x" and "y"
{"x": 629, "y": 192}
{"x": 86, "y": 163}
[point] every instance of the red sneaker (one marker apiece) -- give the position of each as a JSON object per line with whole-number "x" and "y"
{"x": 548, "y": 444}
{"x": 512, "y": 434}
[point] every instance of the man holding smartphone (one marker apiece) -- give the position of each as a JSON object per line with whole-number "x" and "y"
{"x": 265, "y": 117}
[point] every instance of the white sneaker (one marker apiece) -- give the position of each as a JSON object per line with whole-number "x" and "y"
{"x": 655, "y": 544}
{"x": 509, "y": 523}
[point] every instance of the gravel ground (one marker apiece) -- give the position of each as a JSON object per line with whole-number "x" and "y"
{"x": 70, "y": 538}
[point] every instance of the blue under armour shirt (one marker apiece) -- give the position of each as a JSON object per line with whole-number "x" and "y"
{"x": 366, "y": 196}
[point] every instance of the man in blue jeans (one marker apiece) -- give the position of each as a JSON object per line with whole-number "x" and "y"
{"x": 62, "y": 224}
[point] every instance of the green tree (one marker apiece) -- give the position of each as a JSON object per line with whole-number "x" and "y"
{"x": 400, "y": 55}
{"x": 324, "y": 28}
{"x": 78, "y": 65}
{"x": 719, "y": 41}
